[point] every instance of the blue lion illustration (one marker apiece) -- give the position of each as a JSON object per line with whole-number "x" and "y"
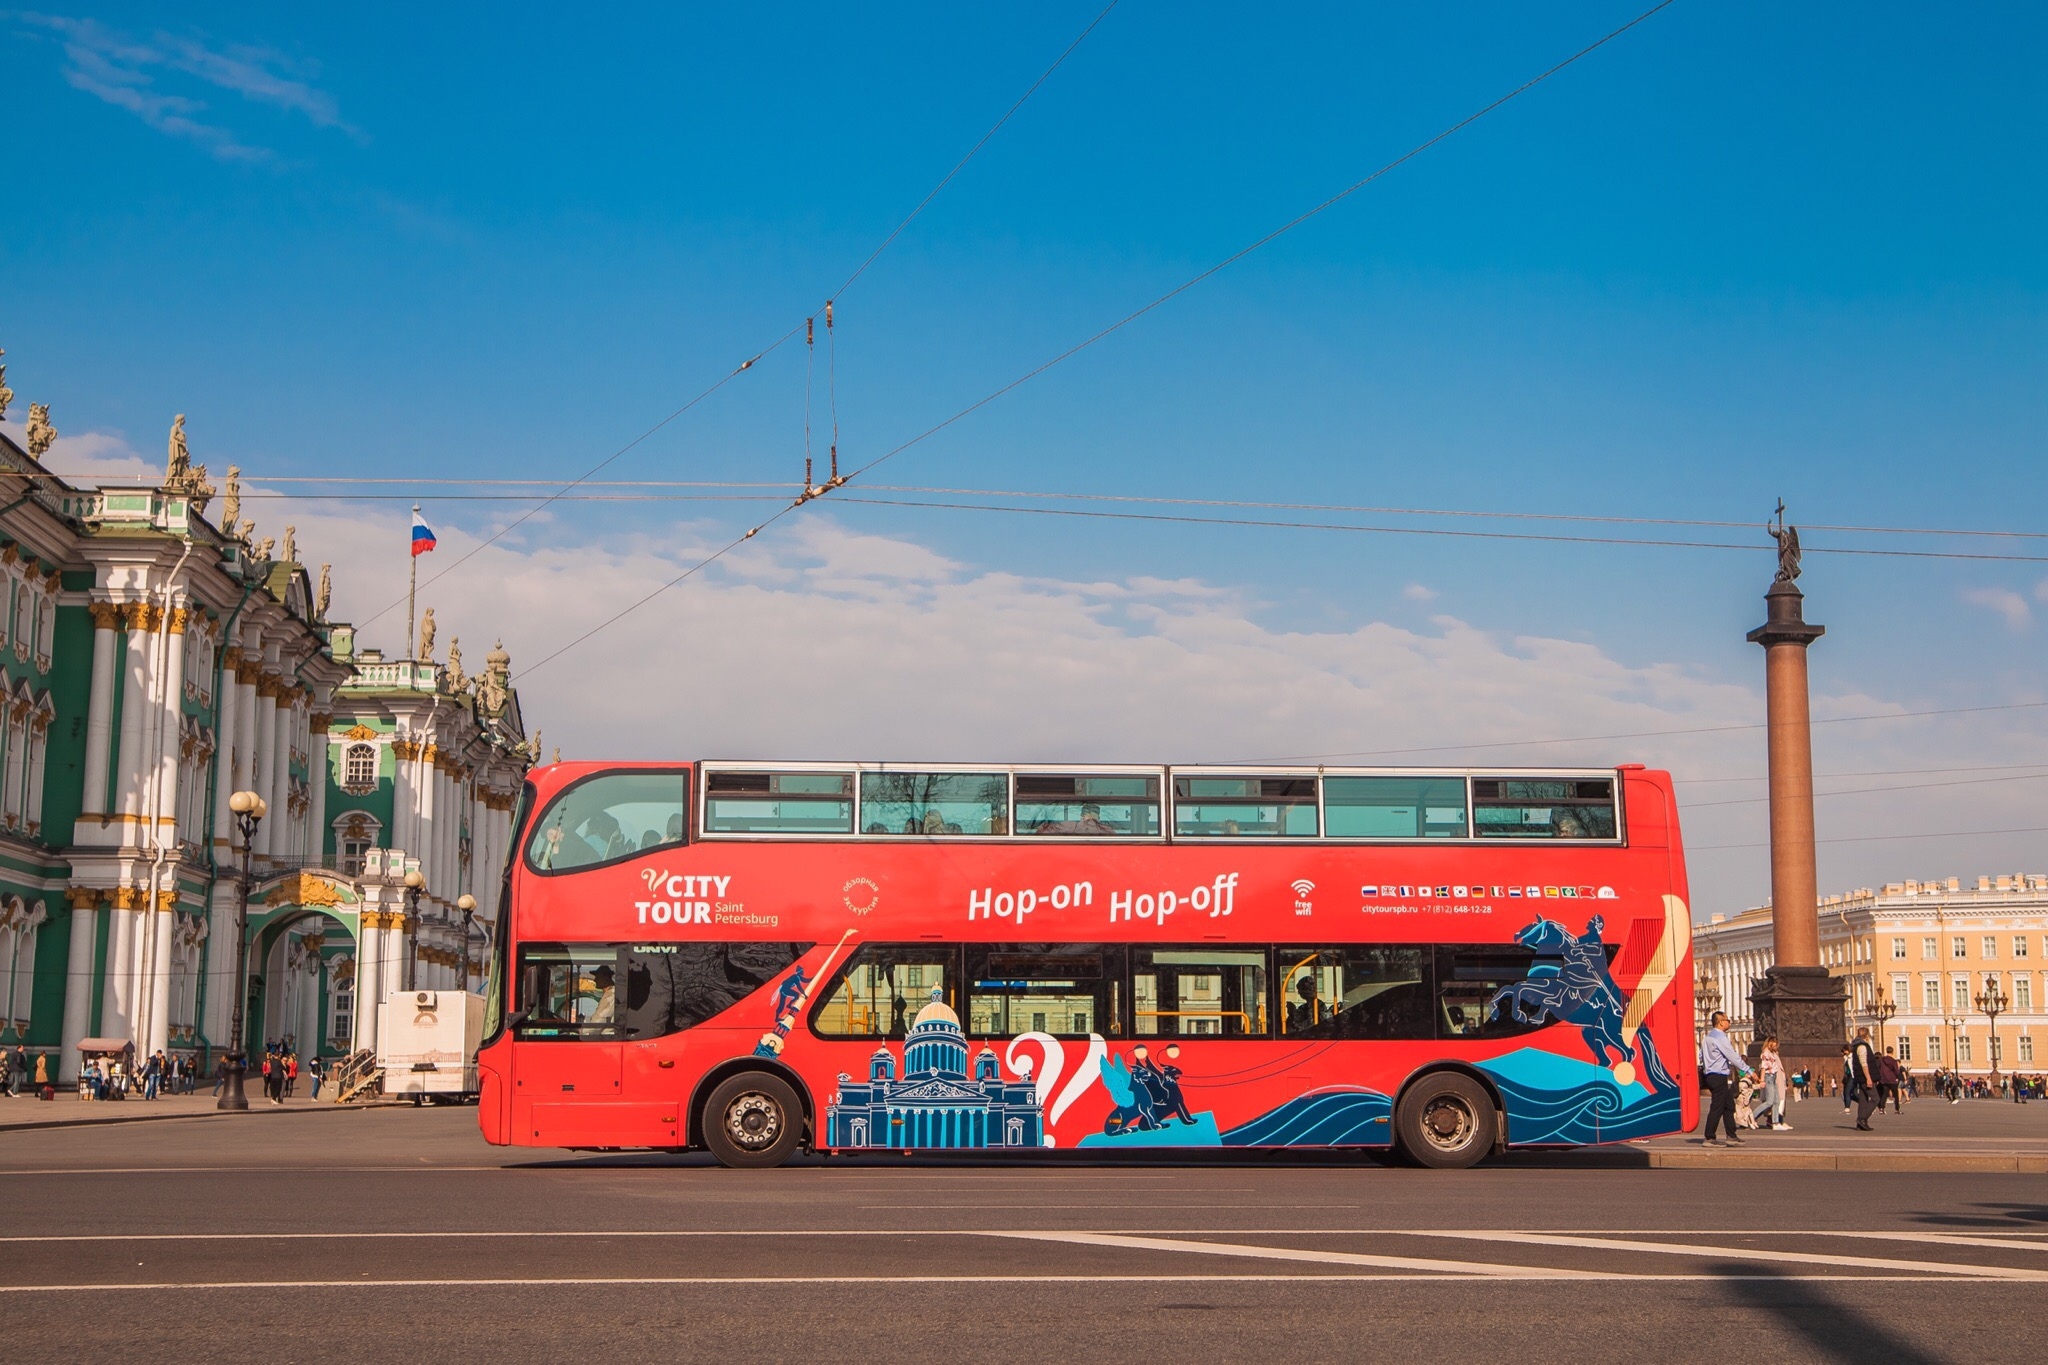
{"x": 1580, "y": 991}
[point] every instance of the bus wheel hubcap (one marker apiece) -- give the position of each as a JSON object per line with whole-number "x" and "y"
{"x": 1448, "y": 1123}
{"x": 753, "y": 1120}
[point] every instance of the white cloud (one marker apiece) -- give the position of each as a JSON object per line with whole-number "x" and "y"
{"x": 2005, "y": 602}
{"x": 1416, "y": 592}
{"x": 123, "y": 71}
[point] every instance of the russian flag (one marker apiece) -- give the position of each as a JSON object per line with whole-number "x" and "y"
{"x": 422, "y": 535}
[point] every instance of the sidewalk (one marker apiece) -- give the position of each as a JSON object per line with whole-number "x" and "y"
{"x": 1931, "y": 1135}
{"x": 67, "y": 1110}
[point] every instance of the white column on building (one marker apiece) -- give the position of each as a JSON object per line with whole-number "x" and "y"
{"x": 125, "y": 799}
{"x": 265, "y": 761}
{"x": 427, "y": 783}
{"x": 277, "y": 791}
{"x": 370, "y": 940}
{"x": 99, "y": 712}
{"x": 402, "y": 799}
{"x": 317, "y": 760}
{"x": 118, "y": 1003}
{"x": 162, "y": 811}
{"x": 85, "y": 921}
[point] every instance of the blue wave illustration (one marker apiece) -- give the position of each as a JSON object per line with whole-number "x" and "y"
{"x": 1172, "y": 1133}
{"x": 1557, "y": 1100}
{"x": 1326, "y": 1118}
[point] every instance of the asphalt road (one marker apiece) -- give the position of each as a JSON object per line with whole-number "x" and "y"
{"x": 398, "y": 1235}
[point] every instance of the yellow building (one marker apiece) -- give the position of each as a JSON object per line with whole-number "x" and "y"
{"x": 1915, "y": 958}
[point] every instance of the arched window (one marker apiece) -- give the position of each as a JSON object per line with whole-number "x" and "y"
{"x": 46, "y": 624}
{"x": 359, "y": 768}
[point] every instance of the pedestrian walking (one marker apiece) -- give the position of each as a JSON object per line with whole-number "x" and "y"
{"x": 1848, "y": 1077}
{"x": 1889, "y": 1077}
{"x": 291, "y": 1073}
{"x": 1863, "y": 1078}
{"x": 315, "y": 1072}
{"x": 1720, "y": 1067}
{"x": 1771, "y": 1094}
{"x": 220, "y": 1075}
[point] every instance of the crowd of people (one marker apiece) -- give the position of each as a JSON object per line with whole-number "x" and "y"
{"x": 1870, "y": 1079}
{"x": 117, "y": 1076}
{"x": 120, "y": 1075}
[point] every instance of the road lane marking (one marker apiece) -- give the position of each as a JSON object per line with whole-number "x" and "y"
{"x": 410, "y": 1234}
{"x": 1589, "y": 1276}
{"x": 1743, "y": 1254}
{"x": 1127, "y": 1242}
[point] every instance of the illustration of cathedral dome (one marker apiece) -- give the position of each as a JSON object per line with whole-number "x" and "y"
{"x": 936, "y": 1042}
{"x": 935, "y": 1104}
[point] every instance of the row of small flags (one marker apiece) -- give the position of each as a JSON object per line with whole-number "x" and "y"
{"x": 1605, "y": 893}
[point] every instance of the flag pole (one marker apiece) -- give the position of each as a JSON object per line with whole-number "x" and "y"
{"x": 412, "y": 587}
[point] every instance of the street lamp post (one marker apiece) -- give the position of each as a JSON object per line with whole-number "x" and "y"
{"x": 1707, "y": 996}
{"x": 1882, "y": 1011}
{"x": 1952, "y": 1024}
{"x": 466, "y": 903}
{"x": 1991, "y": 1003}
{"x": 249, "y": 810}
{"x": 414, "y": 885}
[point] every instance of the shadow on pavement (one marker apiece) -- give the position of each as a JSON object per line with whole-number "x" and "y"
{"x": 1996, "y": 1216}
{"x": 1830, "y": 1329}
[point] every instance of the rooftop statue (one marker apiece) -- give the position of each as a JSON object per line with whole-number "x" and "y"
{"x": 40, "y": 433}
{"x": 6, "y": 394}
{"x": 181, "y": 457}
{"x": 291, "y": 544}
{"x": 427, "y": 629}
{"x": 325, "y": 594}
{"x": 231, "y": 500}
{"x": 180, "y": 474}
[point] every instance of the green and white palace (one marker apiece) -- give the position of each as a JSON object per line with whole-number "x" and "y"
{"x": 155, "y": 663}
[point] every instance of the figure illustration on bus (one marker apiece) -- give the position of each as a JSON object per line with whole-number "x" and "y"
{"x": 1581, "y": 991}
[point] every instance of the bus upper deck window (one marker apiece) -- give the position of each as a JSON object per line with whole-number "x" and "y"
{"x": 1244, "y": 807}
{"x": 935, "y": 803}
{"x": 1543, "y": 808}
{"x": 778, "y": 803}
{"x": 1111, "y": 805}
{"x": 610, "y": 816}
{"x": 1394, "y": 807}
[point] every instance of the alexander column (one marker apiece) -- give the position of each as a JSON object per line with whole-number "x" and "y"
{"x": 1796, "y": 1001}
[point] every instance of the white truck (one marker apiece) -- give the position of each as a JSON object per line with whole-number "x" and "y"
{"x": 426, "y": 1044}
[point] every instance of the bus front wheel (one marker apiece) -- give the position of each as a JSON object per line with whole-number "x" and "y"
{"x": 753, "y": 1120}
{"x": 1446, "y": 1120}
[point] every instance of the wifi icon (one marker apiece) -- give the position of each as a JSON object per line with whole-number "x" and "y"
{"x": 1303, "y": 886}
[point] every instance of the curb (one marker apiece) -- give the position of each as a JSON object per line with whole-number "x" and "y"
{"x": 35, "y": 1124}
{"x": 2004, "y": 1163}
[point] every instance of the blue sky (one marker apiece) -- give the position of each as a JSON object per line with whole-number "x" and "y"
{"x": 1741, "y": 252}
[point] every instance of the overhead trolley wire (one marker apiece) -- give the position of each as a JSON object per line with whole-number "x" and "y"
{"x": 1417, "y": 150}
{"x": 1426, "y": 530}
{"x": 782, "y": 340}
{"x": 773, "y": 488}
{"x": 1654, "y": 734}
{"x": 1865, "y": 791}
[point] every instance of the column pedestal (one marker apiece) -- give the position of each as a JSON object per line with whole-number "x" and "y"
{"x": 1802, "y": 1007}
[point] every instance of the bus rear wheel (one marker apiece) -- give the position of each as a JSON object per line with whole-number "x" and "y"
{"x": 1446, "y": 1120}
{"x": 753, "y": 1120}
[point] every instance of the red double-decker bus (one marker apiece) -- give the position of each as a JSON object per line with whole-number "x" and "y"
{"x": 759, "y": 958}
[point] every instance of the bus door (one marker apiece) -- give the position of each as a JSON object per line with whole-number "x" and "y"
{"x": 566, "y": 1053}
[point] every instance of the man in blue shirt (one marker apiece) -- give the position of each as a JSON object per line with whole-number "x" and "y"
{"x": 1720, "y": 1066}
